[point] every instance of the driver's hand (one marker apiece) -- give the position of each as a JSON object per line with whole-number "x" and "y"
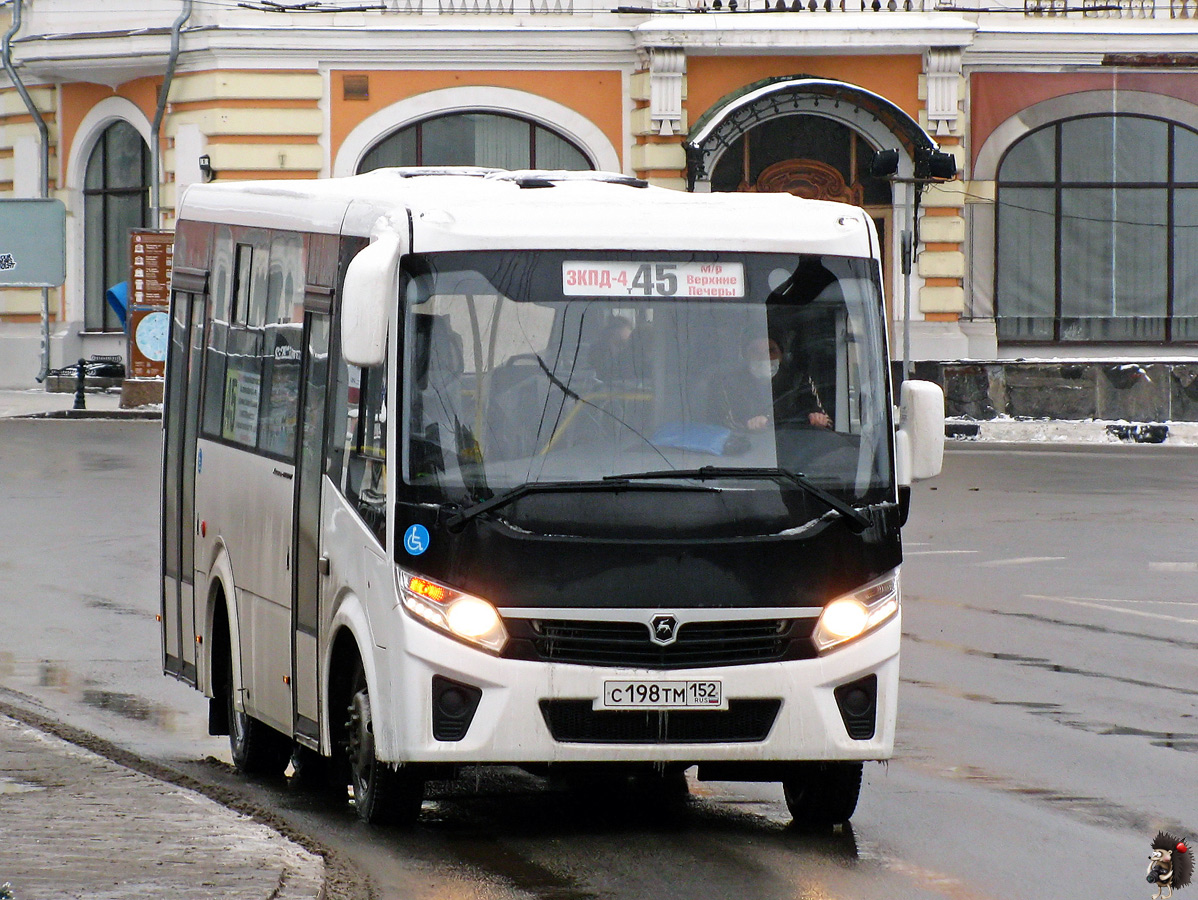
{"x": 820, "y": 419}
{"x": 757, "y": 423}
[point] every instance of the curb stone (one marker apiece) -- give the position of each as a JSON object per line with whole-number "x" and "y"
{"x": 78, "y": 823}
{"x": 1068, "y": 433}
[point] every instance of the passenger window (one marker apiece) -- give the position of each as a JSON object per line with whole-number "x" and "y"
{"x": 366, "y": 445}
{"x": 221, "y": 286}
{"x": 242, "y": 383}
{"x": 256, "y": 342}
{"x": 243, "y": 387}
{"x": 283, "y": 337}
{"x": 243, "y": 281}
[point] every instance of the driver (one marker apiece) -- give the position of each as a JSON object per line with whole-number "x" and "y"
{"x": 759, "y": 392}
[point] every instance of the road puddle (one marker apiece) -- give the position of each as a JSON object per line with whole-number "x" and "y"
{"x": 55, "y": 675}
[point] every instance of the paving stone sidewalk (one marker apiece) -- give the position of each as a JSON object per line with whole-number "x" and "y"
{"x": 76, "y": 825}
{"x": 37, "y": 402}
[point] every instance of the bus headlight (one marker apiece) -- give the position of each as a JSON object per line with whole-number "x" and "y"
{"x": 463, "y": 616}
{"x": 852, "y": 615}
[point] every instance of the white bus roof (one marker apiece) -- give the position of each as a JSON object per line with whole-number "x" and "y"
{"x": 478, "y": 209}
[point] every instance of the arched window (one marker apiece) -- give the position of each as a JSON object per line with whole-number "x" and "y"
{"x": 115, "y": 199}
{"x": 1097, "y": 232}
{"x": 475, "y": 139}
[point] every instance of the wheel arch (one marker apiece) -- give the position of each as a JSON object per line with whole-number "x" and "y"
{"x": 220, "y": 603}
{"x": 350, "y": 642}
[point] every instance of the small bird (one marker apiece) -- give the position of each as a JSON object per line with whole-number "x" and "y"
{"x": 1170, "y": 865}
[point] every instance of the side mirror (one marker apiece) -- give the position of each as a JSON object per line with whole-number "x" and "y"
{"x": 919, "y": 442}
{"x": 369, "y": 293}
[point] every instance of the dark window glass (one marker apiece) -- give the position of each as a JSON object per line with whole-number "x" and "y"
{"x": 1114, "y": 149}
{"x": 476, "y": 139}
{"x": 283, "y": 344}
{"x": 1094, "y": 238}
{"x": 776, "y": 156}
{"x": 251, "y": 396}
{"x": 221, "y": 286}
{"x": 1033, "y": 159}
{"x": 115, "y": 200}
{"x": 364, "y": 402}
{"x": 1185, "y": 262}
{"x": 1026, "y": 242}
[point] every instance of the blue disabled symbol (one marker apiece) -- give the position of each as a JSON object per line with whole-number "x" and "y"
{"x": 416, "y": 539}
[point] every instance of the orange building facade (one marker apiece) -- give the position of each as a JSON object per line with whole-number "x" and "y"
{"x": 684, "y": 94}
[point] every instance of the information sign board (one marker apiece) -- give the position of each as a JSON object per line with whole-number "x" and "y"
{"x": 32, "y": 243}
{"x": 151, "y": 256}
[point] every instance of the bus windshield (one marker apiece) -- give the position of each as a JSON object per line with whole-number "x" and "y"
{"x": 522, "y": 367}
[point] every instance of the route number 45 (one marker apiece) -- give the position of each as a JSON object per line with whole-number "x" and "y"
{"x": 657, "y": 280}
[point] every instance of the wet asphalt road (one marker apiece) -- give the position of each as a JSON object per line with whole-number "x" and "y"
{"x": 1048, "y": 724}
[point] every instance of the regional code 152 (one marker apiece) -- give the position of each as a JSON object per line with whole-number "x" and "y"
{"x": 662, "y": 694}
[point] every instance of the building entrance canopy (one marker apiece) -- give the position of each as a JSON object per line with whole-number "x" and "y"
{"x": 882, "y": 122}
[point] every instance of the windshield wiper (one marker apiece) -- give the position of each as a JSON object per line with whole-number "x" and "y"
{"x": 855, "y": 519}
{"x": 607, "y": 485}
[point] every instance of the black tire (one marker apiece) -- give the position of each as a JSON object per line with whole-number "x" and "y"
{"x": 256, "y": 748}
{"x": 383, "y": 795}
{"x": 823, "y": 793}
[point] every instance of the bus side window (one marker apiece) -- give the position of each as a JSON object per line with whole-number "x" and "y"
{"x": 282, "y": 349}
{"x": 220, "y": 283}
{"x": 366, "y": 446}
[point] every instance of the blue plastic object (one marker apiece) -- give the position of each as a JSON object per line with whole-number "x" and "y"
{"x": 699, "y": 438}
{"x": 118, "y": 298}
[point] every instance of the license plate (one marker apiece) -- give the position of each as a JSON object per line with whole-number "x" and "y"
{"x": 663, "y": 695}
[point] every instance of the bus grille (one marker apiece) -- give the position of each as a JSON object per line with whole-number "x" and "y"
{"x": 576, "y": 722}
{"x": 627, "y": 644}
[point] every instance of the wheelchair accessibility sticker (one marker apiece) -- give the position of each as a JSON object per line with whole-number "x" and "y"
{"x": 416, "y": 539}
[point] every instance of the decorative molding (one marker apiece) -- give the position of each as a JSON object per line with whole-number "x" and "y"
{"x": 943, "y": 68}
{"x": 561, "y": 119}
{"x": 99, "y": 117}
{"x": 807, "y": 178}
{"x": 667, "y": 70}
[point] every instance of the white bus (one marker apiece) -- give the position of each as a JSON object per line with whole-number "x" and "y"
{"x": 554, "y": 470}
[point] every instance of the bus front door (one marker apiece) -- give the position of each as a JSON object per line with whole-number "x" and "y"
{"x": 308, "y": 571}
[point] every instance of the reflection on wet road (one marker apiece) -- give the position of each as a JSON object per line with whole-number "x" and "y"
{"x": 1048, "y": 719}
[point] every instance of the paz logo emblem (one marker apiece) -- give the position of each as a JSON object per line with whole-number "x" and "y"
{"x": 663, "y": 630}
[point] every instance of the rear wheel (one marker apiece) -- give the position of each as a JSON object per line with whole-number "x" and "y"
{"x": 256, "y": 748}
{"x": 823, "y": 793}
{"x": 383, "y": 795}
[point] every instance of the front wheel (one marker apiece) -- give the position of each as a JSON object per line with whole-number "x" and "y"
{"x": 383, "y": 795}
{"x": 823, "y": 793}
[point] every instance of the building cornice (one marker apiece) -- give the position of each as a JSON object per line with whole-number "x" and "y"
{"x": 785, "y": 33}
{"x": 1045, "y": 49}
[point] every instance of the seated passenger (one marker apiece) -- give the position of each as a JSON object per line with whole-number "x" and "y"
{"x": 759, "y": 392}
{"x": 613, "y": 357}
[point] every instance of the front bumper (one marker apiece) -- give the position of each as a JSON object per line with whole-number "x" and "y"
{"x": 509, "y": 726}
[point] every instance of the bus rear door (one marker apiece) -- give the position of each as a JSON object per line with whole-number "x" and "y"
{"x": 179, "y": 469}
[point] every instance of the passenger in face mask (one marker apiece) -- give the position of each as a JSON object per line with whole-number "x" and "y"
{"x": 760, "y": 392}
